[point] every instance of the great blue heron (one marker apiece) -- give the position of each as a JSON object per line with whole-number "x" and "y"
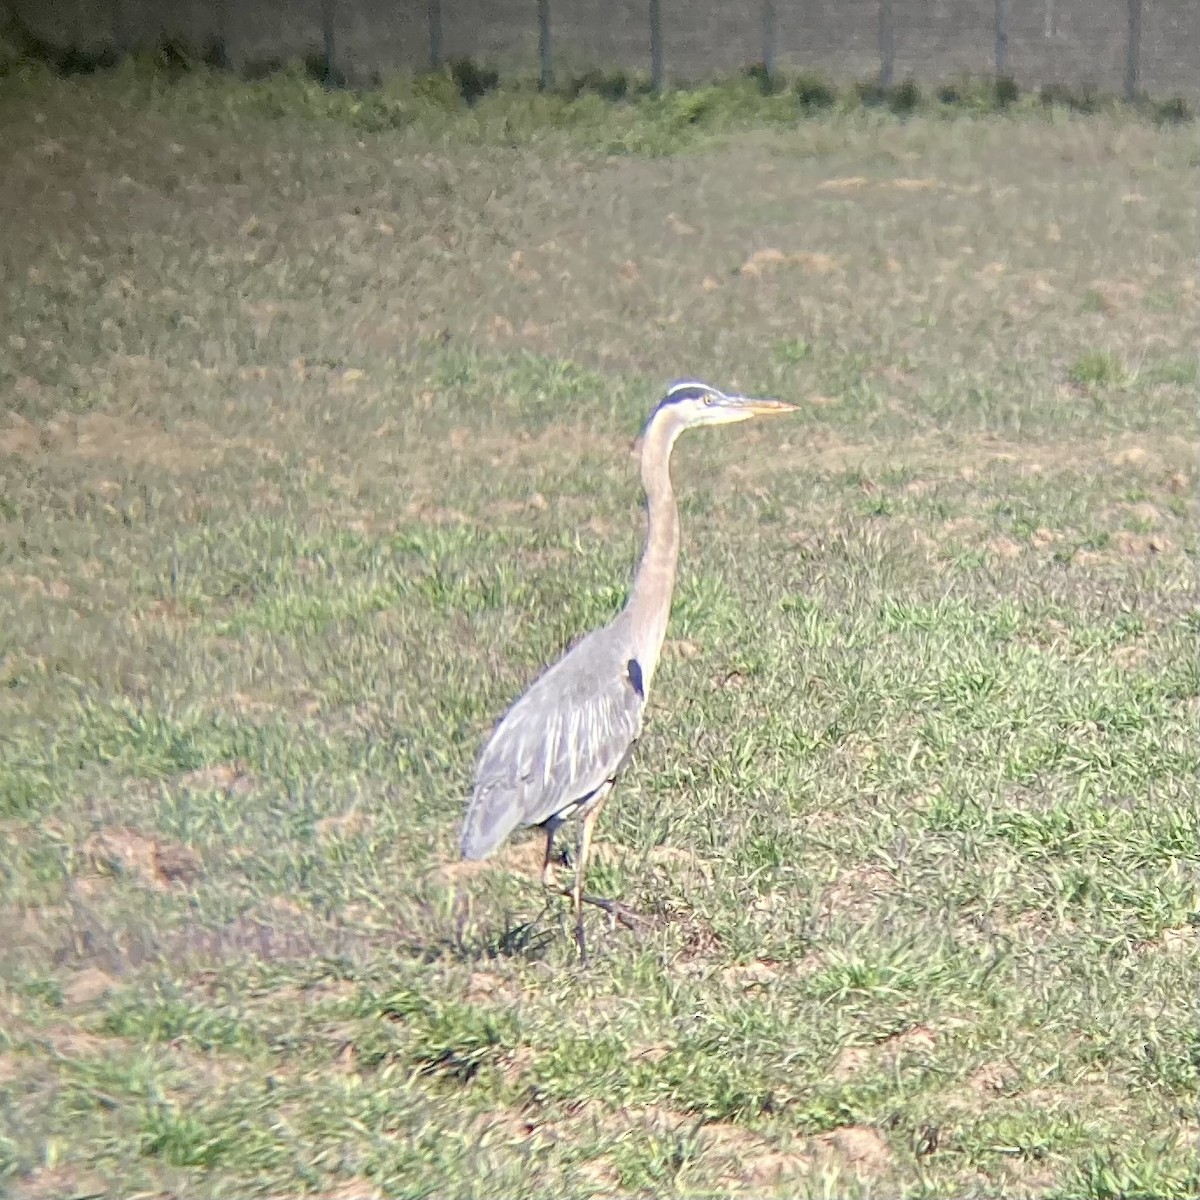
{"x": 558, "y": 750}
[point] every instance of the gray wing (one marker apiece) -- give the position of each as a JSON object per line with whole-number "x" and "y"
{"x": 567, "y": 736}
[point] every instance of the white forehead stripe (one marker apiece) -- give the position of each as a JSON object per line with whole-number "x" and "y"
{"x": 688, "y": 385}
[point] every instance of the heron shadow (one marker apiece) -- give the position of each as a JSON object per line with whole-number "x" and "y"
{"x": 460, "y": 939}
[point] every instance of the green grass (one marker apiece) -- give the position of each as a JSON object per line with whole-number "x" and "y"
{"x": 315, "y": 452}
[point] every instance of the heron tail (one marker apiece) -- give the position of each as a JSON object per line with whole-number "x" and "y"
{"x": 491, "y": 816}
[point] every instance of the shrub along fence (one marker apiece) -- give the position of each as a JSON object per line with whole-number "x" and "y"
{"x": 1127, "y": 47}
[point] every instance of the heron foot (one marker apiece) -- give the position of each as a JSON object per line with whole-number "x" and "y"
{"x": 615, "y": 910}
{"x": 550, "y": 868}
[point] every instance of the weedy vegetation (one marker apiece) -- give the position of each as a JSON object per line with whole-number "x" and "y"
{"x": 315, "y": 446}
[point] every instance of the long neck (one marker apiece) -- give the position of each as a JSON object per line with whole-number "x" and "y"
{"x": 649, "y": 604}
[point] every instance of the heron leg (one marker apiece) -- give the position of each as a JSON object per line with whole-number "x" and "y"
{"x": 548, "y": 879}
{"x": 585, "y": 844}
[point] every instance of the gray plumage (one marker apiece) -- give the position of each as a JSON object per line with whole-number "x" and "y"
{"x": 558, "y": 750}
{"x": 563, "y": 740}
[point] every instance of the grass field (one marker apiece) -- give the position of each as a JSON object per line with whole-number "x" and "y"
{"x": 315, "y": 445}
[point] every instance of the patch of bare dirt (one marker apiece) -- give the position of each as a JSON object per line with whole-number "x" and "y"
{"x": 1081, "y": 1099}
{"x": 87, "y": 985}
{"x": 857, "y": 1147}
{"x": 915, "y": 1040}
{"x": 245, "y": 704}
{"x": 683, "y": 866}
{"x": 501, "y": 509}
{"x": 969, "y": 527}
{"x": 1183, "y": 940}
{"x": 599, "y": 1176}
{"x": 762, "y": 261}
{"x": 675, "y": 856}
{"x": 189, "y": 447}
{"x": 32, "y": 585}
{"x": 1144, "y": 513}
{"x": 1004, "y": 548}
{"x": 75, "y": 1043}
{"x": 344, "y": 825}
{"x": 52, "y": 1183}
{"x": 732, "y": 680}
{"x": 165, "y": 612}
{"x": 1128, "y": 657}
{"x": 854, "y": 1059}
{"x": 1140, "y": 545}
{"x": 1039, "y": 925}
{"x": 353, "y": 1189}
{"x": 1133, "y": 456}
{"x": 727, "y": 1138}
{"x": 232, "y": 778}
{"x": 769, "y": 1169}
{"x": 345, "y": 1061}
{"x": 655, "y": 1118}
{"x": 758, "y": 973}
{"x": 993, "y": 1079}
{"x": 1189, "y": 1135}
{"x": 678, "y": 225}
{"x": 521, "y": 858}
{"x": 154, "y": 862}
{"x": 851, "y": 1061}
{"x": 858, "y": 891}
{"x": 21, "y": 438}
{"x": 1029, "y": 1178}
{"x": 1114, "y": 295}
{"x": 754, "y": 1162}
{"x": 507, "y": 1126}
{"x": 700, "y": 943}
{"x": 13, "y": 1066}
{"x": 131, "y": 440}
{"x": 516, "y": 1063}
{"x": 681, "y": 648}
{"x": 653, "y": 1053}
{"x": 484, "y": 985}
{"x": 519, "y": 268}
{"x": 90, "y": 886}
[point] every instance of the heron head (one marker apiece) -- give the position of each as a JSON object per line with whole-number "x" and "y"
{"x": 693, "y": 404}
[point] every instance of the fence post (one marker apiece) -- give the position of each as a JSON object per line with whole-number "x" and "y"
{"x": 887, "y": 45}
{"x": 435, "y": 34}
{"x": 656, "y": 45}
{"x": 545, "y": 72}
{"x": 220, "y": 39}
{"x": 120, "y": 30}
{"x": 1001, "y": 38}
{"x": 1133, "y": 52}
{"x": 329, "y": 78}
{"x": 768, "y": 38}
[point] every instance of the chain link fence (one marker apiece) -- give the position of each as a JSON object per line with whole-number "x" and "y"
{"x": 1113, "y": 46}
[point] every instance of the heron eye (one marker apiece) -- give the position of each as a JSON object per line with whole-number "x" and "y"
{"x": 708, "y": 397}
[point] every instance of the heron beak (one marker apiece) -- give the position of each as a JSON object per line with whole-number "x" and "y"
{"x": 765, "y": 408}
